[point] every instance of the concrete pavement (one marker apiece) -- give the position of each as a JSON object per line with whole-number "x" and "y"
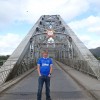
{"x": 92, "y": 85}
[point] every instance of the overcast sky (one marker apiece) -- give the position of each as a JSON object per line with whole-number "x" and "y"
{"x": 18, "y": 16}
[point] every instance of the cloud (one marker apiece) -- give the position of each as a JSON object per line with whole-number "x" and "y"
{"x": 9, "y": 11}
{"x": 9, "y": 42}
{"x": 89, "y": 42}
{"x": 95, "y": 4}
{"x": 31, "y": 10}
{"x": 68, "y": 9}
{"x": 73, "y": 8}
{"x": 91, "y": 21}
{"x": 95, "y": 30}
{"x": 87, "y": 30}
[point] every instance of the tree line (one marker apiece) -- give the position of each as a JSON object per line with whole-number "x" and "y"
{"x": 3, "y": 59}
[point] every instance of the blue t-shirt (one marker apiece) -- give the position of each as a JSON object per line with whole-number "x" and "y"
{"x": 44, "y": 65}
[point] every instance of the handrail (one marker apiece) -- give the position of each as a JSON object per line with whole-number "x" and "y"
{"x": 83, "y": 66}
{"x": 5, "y": 69}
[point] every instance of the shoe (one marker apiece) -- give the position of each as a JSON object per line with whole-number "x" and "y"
{"x": 48, "y": 99}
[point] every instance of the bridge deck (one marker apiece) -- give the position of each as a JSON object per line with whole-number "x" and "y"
{"x": 62, "y": 88}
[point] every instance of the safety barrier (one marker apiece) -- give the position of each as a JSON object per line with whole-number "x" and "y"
{"x": 84, "y": 66}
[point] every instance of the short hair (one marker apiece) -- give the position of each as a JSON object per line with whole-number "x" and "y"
{"x": 44, "y": 51}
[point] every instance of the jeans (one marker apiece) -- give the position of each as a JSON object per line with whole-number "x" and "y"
{"x": 41, "y": 81}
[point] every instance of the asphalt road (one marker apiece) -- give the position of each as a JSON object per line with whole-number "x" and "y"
{"x": 63, "y": 87}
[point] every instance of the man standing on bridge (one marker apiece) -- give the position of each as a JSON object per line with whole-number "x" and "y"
{"x": 44, "y": 68}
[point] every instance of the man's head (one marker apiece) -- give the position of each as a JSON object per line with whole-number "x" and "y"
{"x": 45, "y": 54}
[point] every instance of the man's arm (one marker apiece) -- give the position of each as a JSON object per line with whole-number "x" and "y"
{"x": 51, "y": 68}
{"x": 38, "y": 69}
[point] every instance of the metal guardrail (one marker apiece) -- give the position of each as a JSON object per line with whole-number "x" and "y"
{"x": 5, "y": 69}
{"x": 20, "y": 67}
{"x": 84, "y": 66}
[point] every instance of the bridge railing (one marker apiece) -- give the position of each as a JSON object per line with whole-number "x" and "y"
{"x": 5, "y": 69}
{"x": 84, "y": 66}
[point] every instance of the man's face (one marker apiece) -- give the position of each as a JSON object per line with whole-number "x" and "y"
{"x": 45, "y": 55}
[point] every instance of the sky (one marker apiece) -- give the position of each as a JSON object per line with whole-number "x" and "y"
{"x": 18, "y": 16}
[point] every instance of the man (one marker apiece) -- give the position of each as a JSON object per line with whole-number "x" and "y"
{"x": 44, "y": 68}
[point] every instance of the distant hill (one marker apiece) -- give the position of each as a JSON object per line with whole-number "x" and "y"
{"x": 95, "y": 52}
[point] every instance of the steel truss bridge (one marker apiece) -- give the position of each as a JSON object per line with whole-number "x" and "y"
{"x": 50, "y": 33}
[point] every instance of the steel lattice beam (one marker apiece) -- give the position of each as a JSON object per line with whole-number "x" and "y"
{"x": 65, "y": 47}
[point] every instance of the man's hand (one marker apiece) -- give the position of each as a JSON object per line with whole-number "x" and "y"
{"x": 49, "y": 75}
{"x": 39, "y": 74}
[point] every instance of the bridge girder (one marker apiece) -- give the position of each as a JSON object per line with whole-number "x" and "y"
{"x": 63, "y": 45}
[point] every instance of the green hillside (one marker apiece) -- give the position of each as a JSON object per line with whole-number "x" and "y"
{"x": 96, "y": 52}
